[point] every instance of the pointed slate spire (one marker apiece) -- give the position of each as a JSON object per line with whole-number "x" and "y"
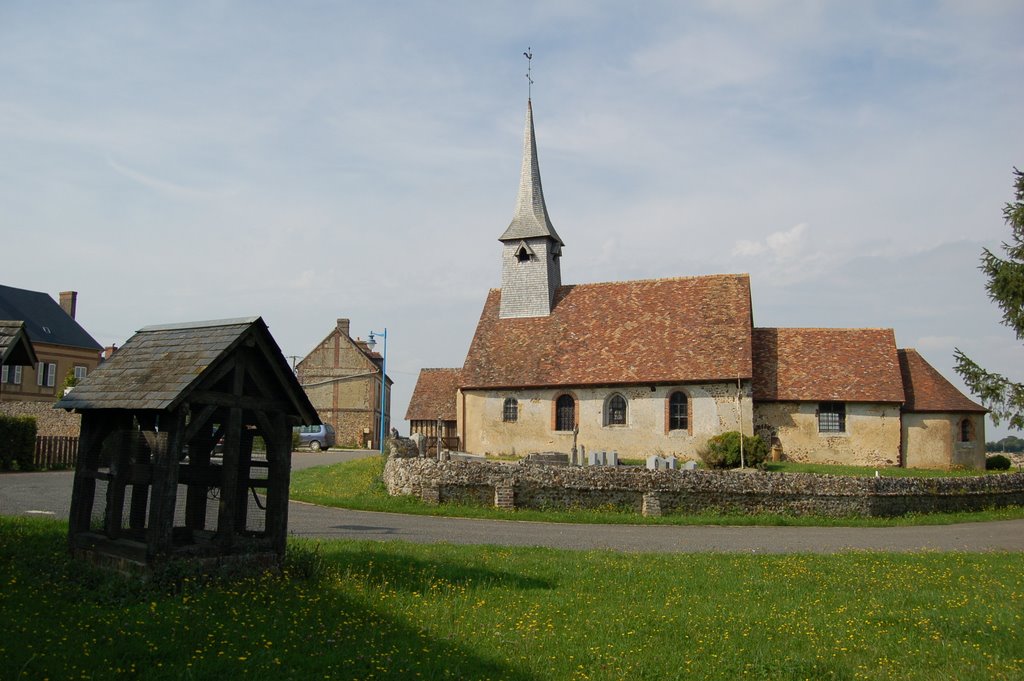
{"x": 531, "y": 217}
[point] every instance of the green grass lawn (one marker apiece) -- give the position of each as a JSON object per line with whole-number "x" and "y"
{"x": 362, "y": 610}
{"x": 358, "y": 485}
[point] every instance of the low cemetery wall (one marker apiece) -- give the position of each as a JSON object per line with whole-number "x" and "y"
{"x": 656, "y": 492}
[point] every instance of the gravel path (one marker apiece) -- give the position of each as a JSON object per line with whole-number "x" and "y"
{"x": 49, "y": 494}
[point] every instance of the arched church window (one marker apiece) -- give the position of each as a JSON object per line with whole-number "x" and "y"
{"x": 966, "y": 431}
{"x": 510, "y": 410}
{"x": 678, "y": 411}
{"x": 565, "y": 413}
{"x": 615, "y": 410}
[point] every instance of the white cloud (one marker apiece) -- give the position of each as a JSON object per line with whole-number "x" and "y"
{"x": 359, "y": 160}
{"x": 161, "y": 185}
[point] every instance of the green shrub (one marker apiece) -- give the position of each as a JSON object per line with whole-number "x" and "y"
{"x": 17, "y": 441}
{"x": 997, "y": 463}
{"x": 723, "y": 451}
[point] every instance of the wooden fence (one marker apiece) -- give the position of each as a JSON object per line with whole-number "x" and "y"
{"x": 449, "y": 443}
{"x": 53, "y": 451}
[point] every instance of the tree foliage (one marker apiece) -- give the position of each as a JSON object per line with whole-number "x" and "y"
{"x": 1004, "y": 397}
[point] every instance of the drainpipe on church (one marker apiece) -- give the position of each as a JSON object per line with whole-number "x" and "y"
{"x": 739, "y": 412}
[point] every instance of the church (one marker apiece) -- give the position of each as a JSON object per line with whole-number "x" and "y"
{"x": 659, "y": 366}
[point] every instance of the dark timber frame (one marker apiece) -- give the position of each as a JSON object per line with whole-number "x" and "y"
{"x": 154, "y": 417}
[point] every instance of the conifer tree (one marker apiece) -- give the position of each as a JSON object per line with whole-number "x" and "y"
{"x": 1005, "y": 287}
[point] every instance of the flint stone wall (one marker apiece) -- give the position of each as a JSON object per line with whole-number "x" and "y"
{"x": 684, "y": 491}
{"x": 49, "y": 421}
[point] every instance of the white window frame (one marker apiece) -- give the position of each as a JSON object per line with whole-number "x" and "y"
{"x": 80, "y": 372}
{"x": 46, "y": 374}
{"x": 17, "y": 375}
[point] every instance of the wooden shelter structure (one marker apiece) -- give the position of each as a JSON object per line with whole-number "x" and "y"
{"x": 15, "y": 350}
{"x": 15, "y": 345}
{"x": 166, "y": 466}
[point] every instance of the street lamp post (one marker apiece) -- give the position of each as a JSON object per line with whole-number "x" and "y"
{"x": 371, "y": 343}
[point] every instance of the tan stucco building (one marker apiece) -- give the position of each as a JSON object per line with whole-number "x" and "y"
{"x": 659, "y": 366}
{"x": 341, "y": 377}
{"x": 62, "y": 347}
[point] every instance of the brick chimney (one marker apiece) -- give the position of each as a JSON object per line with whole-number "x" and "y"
{"x": 343, "y": 325}
{"x": 69, "y": 301}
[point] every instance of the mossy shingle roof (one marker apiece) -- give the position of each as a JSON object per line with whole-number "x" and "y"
{"x": 685, "y": 329}
{"x": 434, "y": 395}
{"x": 927, "y": 390}
{"x": 843, "y": 365}
{"x": 159, "y": 366}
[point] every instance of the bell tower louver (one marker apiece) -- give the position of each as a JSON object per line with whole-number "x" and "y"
{"x": 531, "y": 248}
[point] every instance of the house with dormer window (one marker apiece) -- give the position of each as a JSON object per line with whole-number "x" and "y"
{"x": 61, "y": 345}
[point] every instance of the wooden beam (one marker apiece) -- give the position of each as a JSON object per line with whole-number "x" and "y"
{"x": 207, "y": 397}
{"x": 272, "y": 353}
{"x": 198, "y": 421}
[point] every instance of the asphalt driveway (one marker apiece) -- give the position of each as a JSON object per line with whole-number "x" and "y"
{"x": 49, "y": 494}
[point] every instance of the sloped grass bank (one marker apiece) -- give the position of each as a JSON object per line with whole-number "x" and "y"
{"x": 358, "y": 485}
{"x": 362, "y": 610}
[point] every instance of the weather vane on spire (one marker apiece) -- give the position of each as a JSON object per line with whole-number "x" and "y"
{"x": 529, "y": 70}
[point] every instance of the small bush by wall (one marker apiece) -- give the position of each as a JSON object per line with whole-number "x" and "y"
{"x": 997, "y": 463}
{"x": 17, "y": 442}
{"x": 723, "y": 451}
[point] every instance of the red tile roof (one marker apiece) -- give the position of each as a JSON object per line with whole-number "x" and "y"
{"x": 619, "y": 333}
{"x": 434, "y": 395}
{"x": 928, "y": 390}
{"x": 844, "y": 365}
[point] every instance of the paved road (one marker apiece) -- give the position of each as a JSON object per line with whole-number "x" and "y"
{"x": 49, "y": 494}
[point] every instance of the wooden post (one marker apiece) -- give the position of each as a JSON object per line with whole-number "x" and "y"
{"x": 278, "y": 436}
{"x": 84, "y": 487}
{"x": 199, "y": 450}
{"x": 160, "y": 533}
{"x": 244, "y": 471}
{"x": 229, "y": 478}
{"x": 120, "y": 472}
{"x": 141, "y": 484}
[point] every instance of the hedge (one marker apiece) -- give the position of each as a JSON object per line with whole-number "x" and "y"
{"x": 17, "y": 442}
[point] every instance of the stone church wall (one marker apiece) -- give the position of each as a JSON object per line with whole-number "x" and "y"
{"x": 521, "y": 485}
{"x": 872, "y": 436}
{"x": 713, "y": 409}
{"x": 932, "y": 441}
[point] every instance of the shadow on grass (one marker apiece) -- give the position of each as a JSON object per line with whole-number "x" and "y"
{"x": 280, "y": 627}
{"x": 406, "y": 572}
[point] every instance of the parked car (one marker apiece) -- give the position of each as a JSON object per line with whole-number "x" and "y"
{"x": 316, "y": 437}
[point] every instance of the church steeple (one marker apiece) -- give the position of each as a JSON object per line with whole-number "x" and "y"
{"x": 531, "y": 216}
{"x": 531, "y": 248}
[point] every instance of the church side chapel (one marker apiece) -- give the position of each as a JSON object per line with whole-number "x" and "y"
{"x": 660, "y": 366}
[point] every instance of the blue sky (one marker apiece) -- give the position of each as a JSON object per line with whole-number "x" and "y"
{"x": 311, "y": 160}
